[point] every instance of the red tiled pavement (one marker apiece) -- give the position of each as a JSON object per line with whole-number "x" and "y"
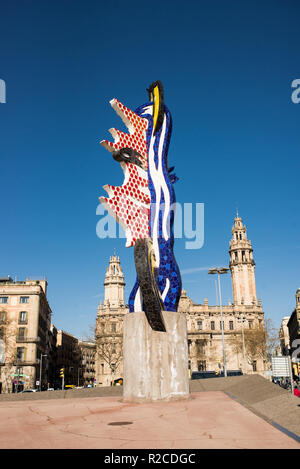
{"x": 206, "y": 420}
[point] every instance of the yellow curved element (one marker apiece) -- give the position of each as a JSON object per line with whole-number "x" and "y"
{"x": 155, "y": 99}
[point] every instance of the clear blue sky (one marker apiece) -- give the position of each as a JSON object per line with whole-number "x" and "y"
{"x": 227, "y": 69}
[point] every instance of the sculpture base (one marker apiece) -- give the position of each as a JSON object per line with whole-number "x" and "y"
{"x": 155, "y": 363}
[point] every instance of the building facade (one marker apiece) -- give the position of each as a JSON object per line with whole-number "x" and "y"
{"x": 86, "y": 375}
{"x": 68, "y": 359}
{"x": 293, "y": 326}
{"x": 284, "y": 336}
{"x": 109, "y": 326}
{"x": 243, "y": 320}
{"x": 25, "y": 335}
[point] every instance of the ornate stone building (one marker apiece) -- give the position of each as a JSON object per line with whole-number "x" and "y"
{"x": 86, "y": 375}
{"x": 244, "y": 331}
{"x": 25, "y": 334}
{"x": 293, "y": 326}
{"x": 109, "y": 326}
{"x": 284, "y": 336}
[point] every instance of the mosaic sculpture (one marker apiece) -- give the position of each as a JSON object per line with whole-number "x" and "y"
{"x": 143, "y": 205}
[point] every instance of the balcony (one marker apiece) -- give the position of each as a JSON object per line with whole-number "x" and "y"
{"x": 27, "y": 340}
{"x": 23, "y": 362}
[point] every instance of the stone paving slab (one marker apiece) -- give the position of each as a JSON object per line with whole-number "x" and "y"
{"x": 209, "y": 419}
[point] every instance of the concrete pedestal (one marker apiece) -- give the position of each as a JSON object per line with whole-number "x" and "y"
{"x": 155, "y": 363}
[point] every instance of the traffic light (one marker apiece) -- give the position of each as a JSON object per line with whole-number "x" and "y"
{"x": 61, "y": 373}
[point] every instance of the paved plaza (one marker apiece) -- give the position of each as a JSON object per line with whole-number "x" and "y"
{"x": 209, "y": 419}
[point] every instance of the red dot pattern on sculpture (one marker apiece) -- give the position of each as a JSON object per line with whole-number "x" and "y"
{"x": 130, "y": 202}
{"x": 126, "y": 204}
{"x": 136, "y": 140}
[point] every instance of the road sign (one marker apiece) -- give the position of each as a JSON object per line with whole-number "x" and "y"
{"x": 281, "y": 367}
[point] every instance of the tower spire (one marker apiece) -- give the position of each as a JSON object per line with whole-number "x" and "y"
{"x": 114, "y": 283}
{"x": 242, "y": 265}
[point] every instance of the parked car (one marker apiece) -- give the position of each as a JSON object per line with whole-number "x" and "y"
{"x": 118, "y": 382}
{"x": 29, "y": 390}
{"x": 213, "y": 374}
{"x": 232, "y": 373}
{"x": 203, "y": 374}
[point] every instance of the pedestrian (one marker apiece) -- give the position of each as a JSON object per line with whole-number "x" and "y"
{"x": 296, "y": 392}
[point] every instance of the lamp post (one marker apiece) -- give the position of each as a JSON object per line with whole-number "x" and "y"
{"x": 242, "y": 319}
{"x": 79, "y": 368}
{"x": 41, "y": 365}
{"x": 219, "y": 271}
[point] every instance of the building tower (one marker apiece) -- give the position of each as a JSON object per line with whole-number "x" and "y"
{"x": 114, "y": 284}
{"x": 109, "y": 326}
{"x": 242, "y": 265}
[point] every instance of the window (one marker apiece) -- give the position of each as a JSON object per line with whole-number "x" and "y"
{"x": 231, "y": 325}
{"x": 221, "y": 325}
{"x": 3, "y": 299}
{"x": 250, "y": 324}
{"x": 200, "y": 325}
{"x": 212, "y": 325}
{"x": 202, "y": 365}
{"x": 21, "y": 353}
{"x": 2, "y": 333}
{"x": 24, "y": 299}
{"x": 19, "y": 370}
{"x": 2, "y": 316}
{"x": 254, "y": 365}
{"x": 23, "y": 317}
{"x": 21, "y": 333}
{"x": 113, "y": 327}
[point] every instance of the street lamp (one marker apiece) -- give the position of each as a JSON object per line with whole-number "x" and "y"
{"x": 219, "y": 271}
{"x": 79, "y": 368}
{"x": 41, "y": 365}
{"x": 242, "y": 319}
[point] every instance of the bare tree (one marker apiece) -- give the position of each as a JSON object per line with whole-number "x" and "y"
{"x": 254, "y": 341}
{"x": 111, "y": 352}
{"x": 90, "y": 335}
{"x": 8, "y": 349}
{"x": 272, "y": 338}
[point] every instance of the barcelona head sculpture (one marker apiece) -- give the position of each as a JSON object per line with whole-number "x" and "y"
{"x": 144, "y": 204}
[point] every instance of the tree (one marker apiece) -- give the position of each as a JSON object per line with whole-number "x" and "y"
{"x": 272, "y": 338}
{"x": 90, "y": 335}
{"x": 109, "y": 340}
{"x": 254, "y": 341}
{"x": 111, "y": 352}
{"x": 8, "y": 349}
